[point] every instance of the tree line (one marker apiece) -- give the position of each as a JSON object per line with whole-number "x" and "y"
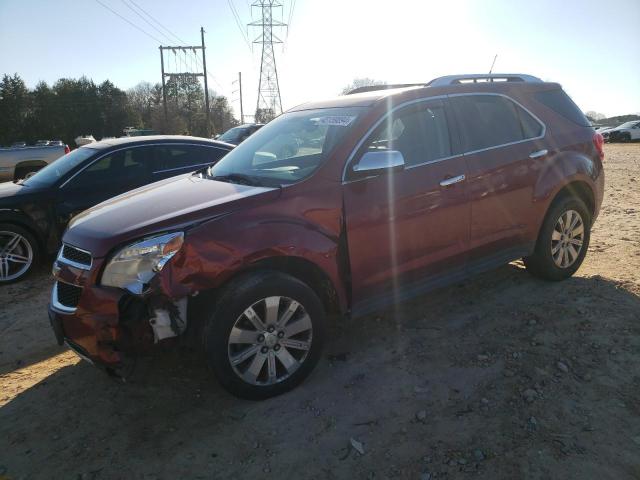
{"x": 73, "y": 107}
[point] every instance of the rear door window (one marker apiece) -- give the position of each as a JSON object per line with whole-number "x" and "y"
{"x": 491, "y": 120}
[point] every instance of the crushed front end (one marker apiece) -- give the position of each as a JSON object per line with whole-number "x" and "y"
{"x": 107, "y": 310}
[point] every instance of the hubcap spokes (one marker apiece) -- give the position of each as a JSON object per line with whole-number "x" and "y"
{"x": 16, "y": 255}
{"x": 567, "y": 239}
{"x": 270, "y": 340}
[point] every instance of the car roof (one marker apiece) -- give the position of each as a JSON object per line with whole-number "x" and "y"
{"x": 151, "y": 139}
{"x": 370, "y": 98}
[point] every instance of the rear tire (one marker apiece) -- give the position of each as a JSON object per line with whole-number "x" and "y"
{"x": 265, "y": 335}
{"x": 19, "y": 252}
{"x": 560, "y": 249}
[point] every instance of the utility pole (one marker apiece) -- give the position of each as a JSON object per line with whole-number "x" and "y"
{"x": 206, "y": 87}
{"x": 269, "y": 100}
{"x": 239, "y": 82}
{"x": 164, "y": 89}
{"x": 241, "y": 109}
{"x": 187, "y": 74}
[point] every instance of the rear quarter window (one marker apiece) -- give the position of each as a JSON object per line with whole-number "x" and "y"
{"x": 558, "y": 101}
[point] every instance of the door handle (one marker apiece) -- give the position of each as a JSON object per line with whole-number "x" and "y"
{"x": 539, "y": 153}
{"x": 452, "y": 180}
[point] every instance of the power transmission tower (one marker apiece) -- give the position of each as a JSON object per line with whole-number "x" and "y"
{"x": 186, "y": 75}
{"x": 269, "y": 102}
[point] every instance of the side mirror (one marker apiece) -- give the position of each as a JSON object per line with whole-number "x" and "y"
{"x": 373, "y": 163}
{"x": 264, "y": 157}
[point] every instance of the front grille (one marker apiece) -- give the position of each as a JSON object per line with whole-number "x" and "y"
{"x": 76, "y": 255}
{"x": 68, "y": 295}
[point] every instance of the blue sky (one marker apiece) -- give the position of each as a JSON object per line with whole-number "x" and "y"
{"x": 593, "y": 50}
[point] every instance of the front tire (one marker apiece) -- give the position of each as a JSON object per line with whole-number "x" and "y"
{"x": 563, "y": 240}
{"x": 19, "y": 253}
{"x": 266, "y": 334}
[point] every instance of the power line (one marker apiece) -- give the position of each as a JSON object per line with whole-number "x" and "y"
{"x": 293, "y": 6}
{"x": 147, "y": 21}
{"x": 129, "y": 22}
{"x": 156, "y": 21}
{"x": 238, "y": 21}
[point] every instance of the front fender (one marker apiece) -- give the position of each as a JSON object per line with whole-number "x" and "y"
{"x": 216, "y": 251}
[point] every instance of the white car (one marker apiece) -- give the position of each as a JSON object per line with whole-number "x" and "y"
{"x": 626, "y": 132}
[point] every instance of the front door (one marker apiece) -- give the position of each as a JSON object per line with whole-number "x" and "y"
{"x": 405, "y": 228}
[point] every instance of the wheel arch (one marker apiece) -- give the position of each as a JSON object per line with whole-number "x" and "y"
{"x": 304, "y": 270}
{"x": 579, "y": 189}
{"x": 28, "y": 164}
{"x": 14, "y": 217}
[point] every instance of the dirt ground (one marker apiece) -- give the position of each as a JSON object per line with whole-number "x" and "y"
{"x": 501, "y": 377}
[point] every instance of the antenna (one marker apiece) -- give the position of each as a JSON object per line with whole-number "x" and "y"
{"x": 494, "y": 62}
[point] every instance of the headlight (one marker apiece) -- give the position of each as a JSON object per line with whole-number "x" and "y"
{"x": 135, "y": 265}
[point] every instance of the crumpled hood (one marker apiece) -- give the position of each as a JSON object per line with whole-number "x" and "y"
{"x": 166, "y": 205}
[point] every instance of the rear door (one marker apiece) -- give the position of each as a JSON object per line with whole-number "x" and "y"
{"x": 110, "y": 175}
{"x": 406, "y": 227}
{"x": 176, "y": 159}
{"x": 503, "y": 145}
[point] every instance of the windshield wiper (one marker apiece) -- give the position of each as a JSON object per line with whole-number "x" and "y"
{"x": 237, "y": 178}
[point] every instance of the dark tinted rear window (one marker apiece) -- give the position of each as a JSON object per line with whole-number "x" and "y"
{"x": 492, "y": 120}
{"x": 560, "y": 102}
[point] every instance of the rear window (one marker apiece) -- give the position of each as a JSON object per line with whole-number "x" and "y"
{"x": 558, "y": 101}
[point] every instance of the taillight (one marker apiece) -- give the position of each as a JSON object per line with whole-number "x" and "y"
{"x": 67, "y": 149}
{"x": 598, "y": 142}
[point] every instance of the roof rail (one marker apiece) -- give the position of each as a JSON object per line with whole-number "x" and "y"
{"x": 373, "y": 88}
{"x": 483, "y": 77}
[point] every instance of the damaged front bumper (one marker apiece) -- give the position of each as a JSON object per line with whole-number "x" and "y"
{"x": 108, "y": 326}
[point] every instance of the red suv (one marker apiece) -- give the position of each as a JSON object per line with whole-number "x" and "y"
{"x": 338, "y": 207}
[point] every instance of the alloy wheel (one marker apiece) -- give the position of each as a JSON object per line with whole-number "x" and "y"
{"x": 270, "y": 340}
{"x": 567, "y": 239}
{"x": 16, "y": 255}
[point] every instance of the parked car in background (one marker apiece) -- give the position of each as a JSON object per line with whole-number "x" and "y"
{"x": 627, "y": 132}
{"x": 56, "y": 143}
{"x": 42, "y": 143}
{"x": 236, "y": 135}
{"x": 389, "y": 194}
{"x": 18, "y": 162}
{"x": 18, "y": 144}
{"x": 35, "y": 212}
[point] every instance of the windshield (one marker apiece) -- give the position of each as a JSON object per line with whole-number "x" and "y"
{"x": 56, "y": 170}
{"x": 231, "y": 135}
{"x": 627, "y": 124}
{"x": 288, "y": 149}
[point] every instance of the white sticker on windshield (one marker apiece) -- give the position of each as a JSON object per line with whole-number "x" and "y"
{"x": 334, "y": 121}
